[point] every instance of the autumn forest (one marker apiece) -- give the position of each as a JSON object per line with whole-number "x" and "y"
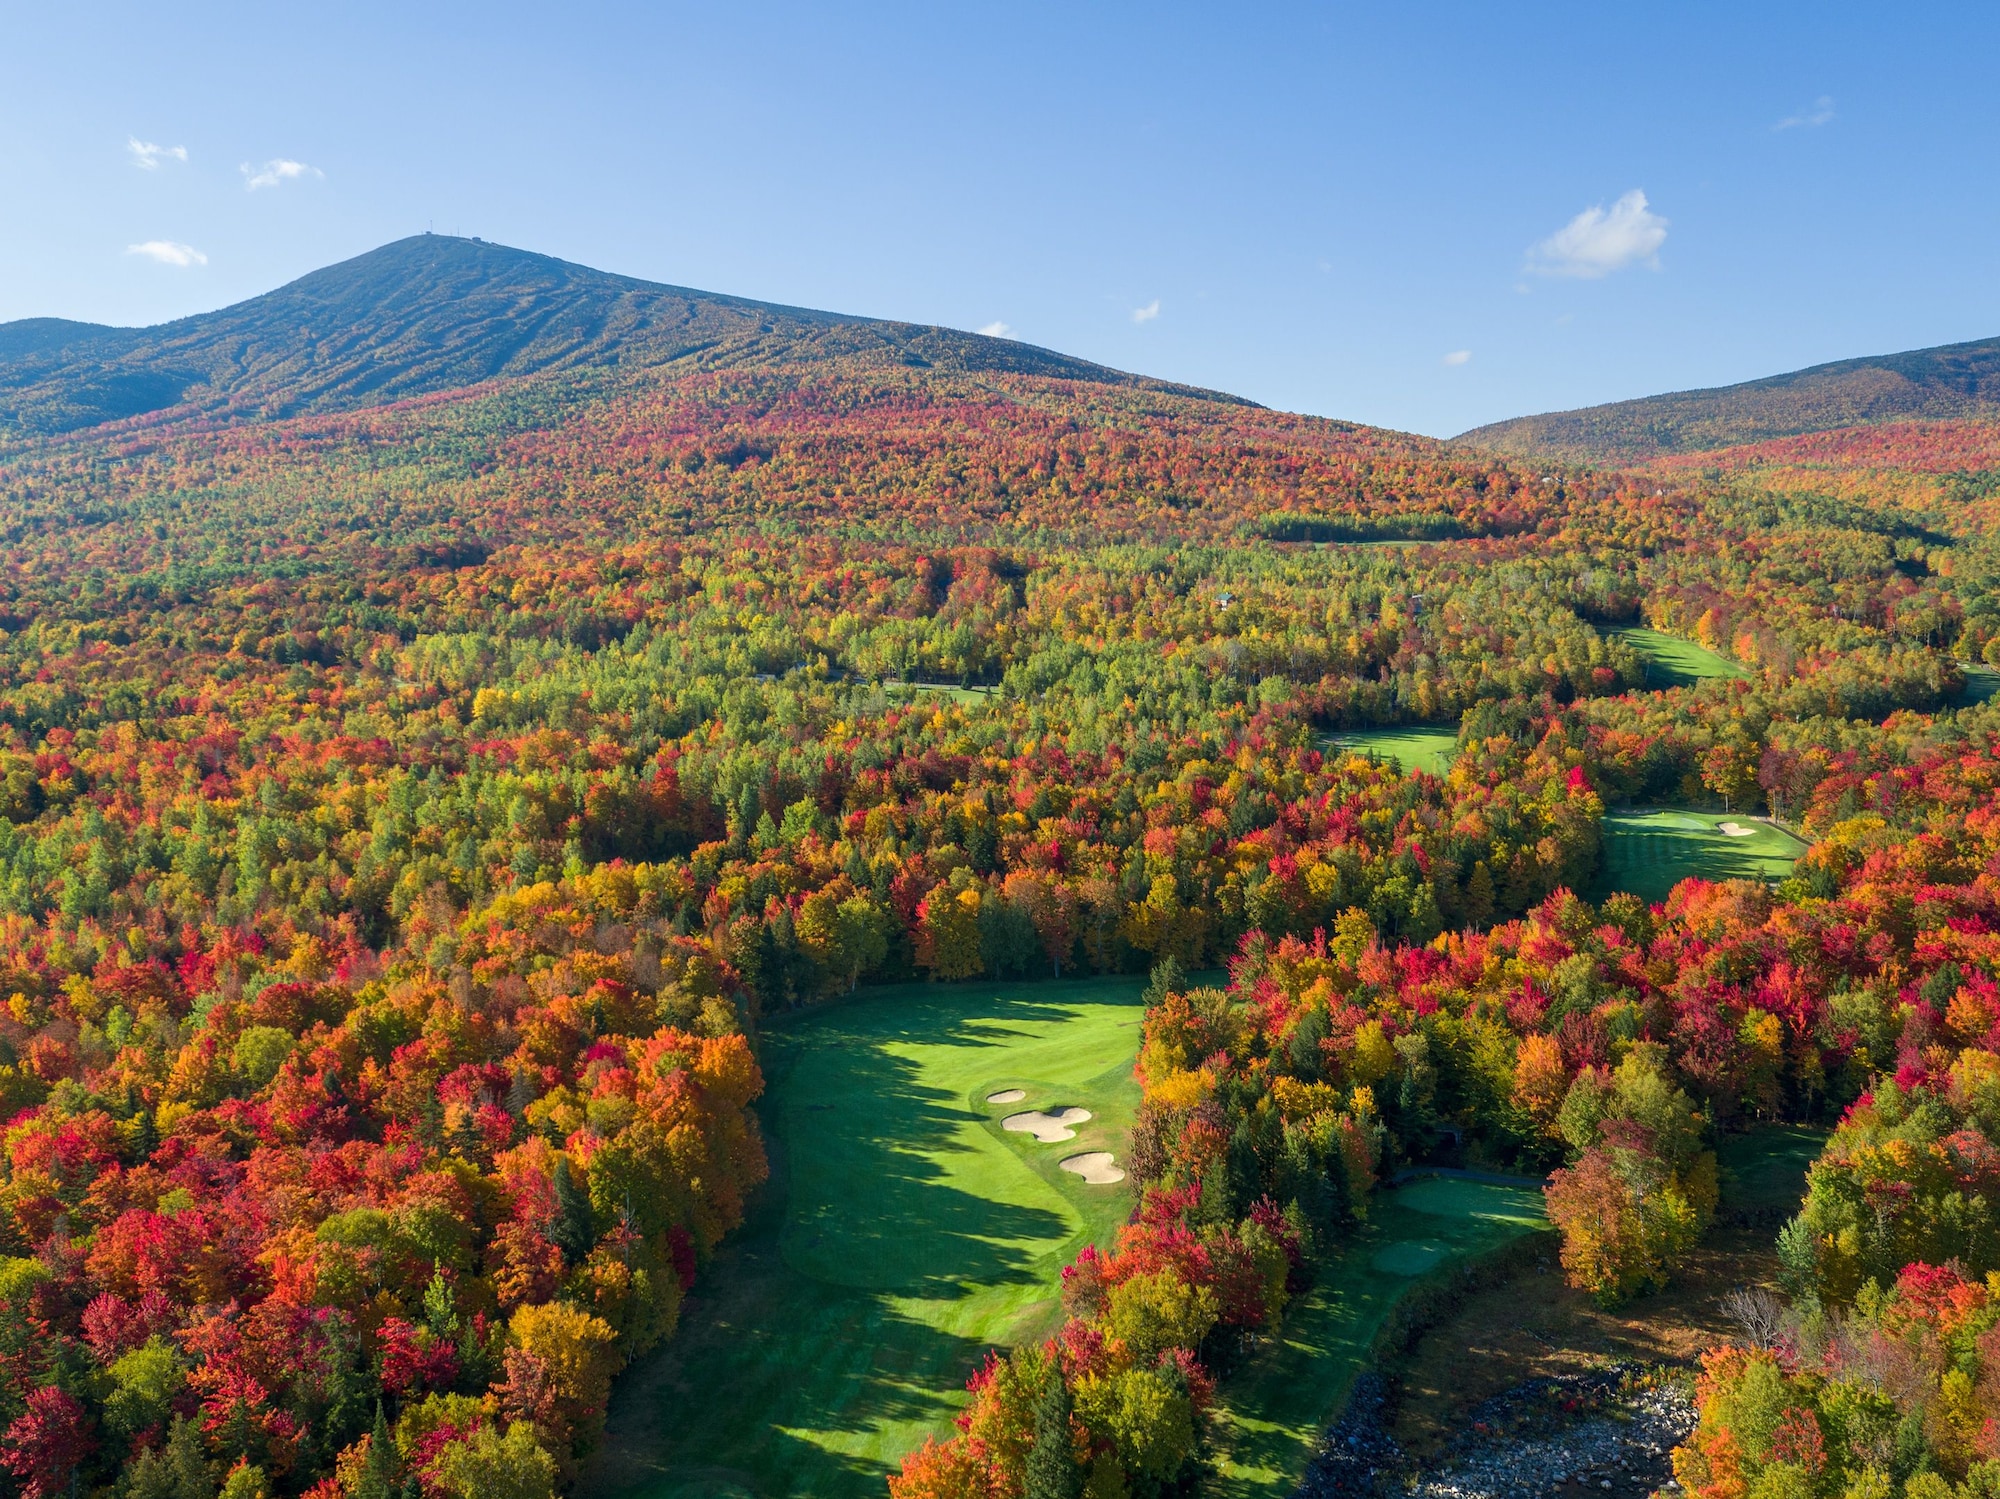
{"x": 414, "y": 816}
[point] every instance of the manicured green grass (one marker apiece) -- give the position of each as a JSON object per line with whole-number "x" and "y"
{"x": 1419, "y": 747}
{"x": 1981, "y": 683}
{"x": 1648, "y": 853}
{"x": 965, "y": 697}
{"x": 1273, "y": 1410}
{"x": 1764, "y": 1169}
{"x": 902, "y": 1235}
{"x": 1673, "y": 662}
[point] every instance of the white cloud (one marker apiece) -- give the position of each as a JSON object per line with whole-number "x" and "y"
{"x": 148, "y": 156}
{"x": 1601, "y": 240}
{"x": 1821, "y": 113}
{"x": 1147, "y": 313}
{"x": 1458, "y": 357}
{"x": 997, "y": 329}
{"x": 168, "y": 252}
{"x": 274, "y": 172}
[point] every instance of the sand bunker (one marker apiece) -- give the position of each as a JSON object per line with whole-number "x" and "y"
{"x": 1048, "y": 1128}
{"x": 1095, "y": 1166}
{"x": 1007, "y": 1095}
{"x": 1734, "y": 830}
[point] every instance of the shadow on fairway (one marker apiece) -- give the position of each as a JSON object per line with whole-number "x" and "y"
{"x": 872, "y": 1203}
{"x": 900, "y": 1238}
{"x": 798, "y": 1360}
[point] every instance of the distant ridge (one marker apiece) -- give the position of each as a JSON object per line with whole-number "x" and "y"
{"x": 434, "y": 312}
{"x": 1955, "y": 381}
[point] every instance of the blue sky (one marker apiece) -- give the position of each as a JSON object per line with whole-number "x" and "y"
{"x": 1426, "y": 216}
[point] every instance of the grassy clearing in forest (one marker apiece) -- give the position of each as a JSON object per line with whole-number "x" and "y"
{"x": 965, "y": 697}
{"x": 1419, "y": 747}
{"x": 1982, "y": 683}
{"x": 1673, "y": 662}
{"x": 1648, "y": 853}
{"x": 903, "y": 1233}
{"x": 1273, "y": 1410}
{"x": 1764, "y": 1169}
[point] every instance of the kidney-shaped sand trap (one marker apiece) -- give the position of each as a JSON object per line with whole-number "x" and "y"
{"x": 1048, "y": 1128}
{"x": 1007, "y": 1095}
{"x": 1733, "y": 830}
{"x": 1098, "y": 1167}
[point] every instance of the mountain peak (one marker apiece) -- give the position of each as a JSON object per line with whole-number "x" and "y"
{"x": 1950, "y": 382}
{"x": 437, "y": 312}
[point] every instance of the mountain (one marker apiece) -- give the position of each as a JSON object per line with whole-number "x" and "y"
{"x": 435, "y": 312}
{"x": 1956, "y": 381}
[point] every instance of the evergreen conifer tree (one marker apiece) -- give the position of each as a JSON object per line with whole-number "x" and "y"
{"x": 1051, "y": 1471}
{"x": 572, "y": 1231}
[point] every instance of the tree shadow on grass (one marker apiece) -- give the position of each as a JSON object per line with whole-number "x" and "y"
{"x": 795, "y": 1372}
{"x": 1649, "y": 862}
{"x": 978, "y": 1013}
{"x": 771, "y": 1375}
{"x": 885, "y": 1183}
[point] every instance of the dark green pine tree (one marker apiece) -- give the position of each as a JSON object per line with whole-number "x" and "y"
{"x": 186, "y": 1462}
{"x": 572, "y": 1232}
{"x": 378, "y": 1473}
{"x": 1168, "y": 977}
{"x": 1051, "y": 1471}
{"x": 149, "y": 1477}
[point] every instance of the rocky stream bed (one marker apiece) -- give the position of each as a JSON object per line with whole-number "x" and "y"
{"x": 1606, "y": 1434}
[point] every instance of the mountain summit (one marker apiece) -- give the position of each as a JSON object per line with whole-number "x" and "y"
{"x": 1951, "y": 382}
{"x": 434, "y": 312}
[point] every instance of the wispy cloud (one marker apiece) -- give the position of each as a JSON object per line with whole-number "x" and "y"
{"x": 1601, "y": 240}
{"x": 996, "y": 329}
{"x": 1458, "y": 357}
{"x": 1821, "y": 113}
{"x": 168, "y": 252}
{"x": 274, "y": 172}
{"x": 147, "y": 156}
{"x": 1147, "y": 313}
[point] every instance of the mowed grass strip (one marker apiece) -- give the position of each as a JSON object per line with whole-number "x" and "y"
{"x": 1673, "y": 662}
{"x": 903, "y": 1233}
{"x": 1273, "y": 1411}
{"x": 1764, "y": 1169}
{"x": 1419, "y": 747}
{"x": 1648, "y": 853}
{"x": 965, "y": 697}
{"x": 1982, "y": 683}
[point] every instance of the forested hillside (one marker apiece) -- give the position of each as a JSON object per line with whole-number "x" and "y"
{"x": 411, "y": 816}
{"x": 1956, "y": 382}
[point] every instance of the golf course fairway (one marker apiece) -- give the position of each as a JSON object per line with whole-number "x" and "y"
{"x": 1650, "y": 852}
{"x": 904, "y": 1232}
{"x": 1673, "y": 662}
{"x": 1413, "y": 747}
{"x": 1273, "y": 1410}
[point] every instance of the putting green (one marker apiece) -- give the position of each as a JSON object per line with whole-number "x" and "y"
{"x": 1272, "y": 1411}
{"x": 1413, "y": 748}
{"x": 903, "y": 1234}
{"x": 1648, "y": 853}
{"x": 1673, "y": 662}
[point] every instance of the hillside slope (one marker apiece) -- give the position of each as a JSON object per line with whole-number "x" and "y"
{"x": 1953, "y": 382}
{"x": 433, "y": 313}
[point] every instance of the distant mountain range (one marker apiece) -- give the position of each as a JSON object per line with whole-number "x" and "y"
{"x": 1956, "y": 381}
{"x": 435, "y": 312}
